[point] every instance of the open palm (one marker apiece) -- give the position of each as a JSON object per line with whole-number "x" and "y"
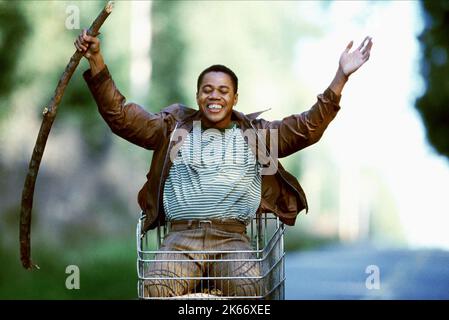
{"x": 351, "y": 61}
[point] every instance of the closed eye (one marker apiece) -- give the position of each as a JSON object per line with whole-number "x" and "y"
{"x": 207, "y": 89}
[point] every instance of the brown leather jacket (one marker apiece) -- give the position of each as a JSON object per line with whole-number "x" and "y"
{"x": 281, "y": 192}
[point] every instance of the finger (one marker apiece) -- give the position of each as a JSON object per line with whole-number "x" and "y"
{"x": 89, "y": 38}
{"x": 362, "y": 44}
{"x": 365, "y": 56}
{"x": 349, "y": 46}
{"x": 81, "y": 40}
{"x": 367, "y": 48}
{"x": 370, "y": 44}
{"x": 78, "y": 44}
{"x": 82, "y": 45}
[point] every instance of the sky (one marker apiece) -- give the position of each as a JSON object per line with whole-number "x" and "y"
{"x": 378, "y": 128}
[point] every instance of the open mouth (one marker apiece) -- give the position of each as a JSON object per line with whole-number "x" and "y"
{"x": 214, "y": 107}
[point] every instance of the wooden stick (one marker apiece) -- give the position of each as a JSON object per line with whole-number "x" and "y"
{"x": 49, "y": 116}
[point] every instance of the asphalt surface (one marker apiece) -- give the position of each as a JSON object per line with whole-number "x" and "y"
{"x": 340, "y": 272}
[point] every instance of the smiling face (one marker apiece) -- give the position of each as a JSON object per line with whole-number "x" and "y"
{"x": 216, "y": 98}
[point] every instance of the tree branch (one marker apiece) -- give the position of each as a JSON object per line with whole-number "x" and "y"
{"x": 49, "y": 116}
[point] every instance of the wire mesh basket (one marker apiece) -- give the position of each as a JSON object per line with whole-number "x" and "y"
{"x": 258, "y": 273}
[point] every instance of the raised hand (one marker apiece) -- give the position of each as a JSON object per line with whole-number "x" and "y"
{"x": 351, "y": 61}
{"x": 90, "y": 46}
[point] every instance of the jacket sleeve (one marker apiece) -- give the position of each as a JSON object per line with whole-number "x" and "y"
{"x": 128, "y": 120}
{"x": 299, "y": 131}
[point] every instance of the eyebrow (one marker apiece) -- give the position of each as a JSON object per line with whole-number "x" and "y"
{"x": 209, "y": 85}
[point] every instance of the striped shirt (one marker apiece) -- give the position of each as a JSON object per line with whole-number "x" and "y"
{"x": 214, "y": 176}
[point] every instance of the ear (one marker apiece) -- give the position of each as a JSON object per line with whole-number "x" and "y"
{"x": 236, "y": 98}
{"x": 197, "y": 97}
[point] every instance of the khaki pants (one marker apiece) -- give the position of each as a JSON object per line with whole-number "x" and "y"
{"x": 184, "y": 264}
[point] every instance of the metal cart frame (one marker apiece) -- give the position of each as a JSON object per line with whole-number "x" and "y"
{"x": 266, "y": 234}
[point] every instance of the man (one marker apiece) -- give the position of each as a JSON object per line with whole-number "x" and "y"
{"x": 208, "y": 198}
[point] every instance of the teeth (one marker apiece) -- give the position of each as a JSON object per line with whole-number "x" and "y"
{"x": 214, "y": 106}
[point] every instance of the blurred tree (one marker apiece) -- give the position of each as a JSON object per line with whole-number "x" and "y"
{"x": 14, "y": 29}
{"x": 167, "y": 54}
{"x": 434, "y": 104}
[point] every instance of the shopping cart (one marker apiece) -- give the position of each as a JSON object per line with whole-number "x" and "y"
{"x": 264, "y": 269}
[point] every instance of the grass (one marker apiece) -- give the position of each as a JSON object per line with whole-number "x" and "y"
{"x": 107, "y": 271}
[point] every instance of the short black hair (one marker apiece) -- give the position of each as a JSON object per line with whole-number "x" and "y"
{"x": 218, "y": 68}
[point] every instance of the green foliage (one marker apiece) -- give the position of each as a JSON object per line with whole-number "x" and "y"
{"x": 434, "y": 104}
{"x": 107, "y": 271}
{"x": 297, "y": 239}
{"x": 14, "y": 29}
{"x": 167, "y": 55}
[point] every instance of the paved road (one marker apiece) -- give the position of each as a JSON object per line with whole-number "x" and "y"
{"x": 339, "y": 273}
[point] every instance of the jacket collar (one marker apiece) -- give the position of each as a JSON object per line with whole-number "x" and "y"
{"x": 185, "y": 114}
